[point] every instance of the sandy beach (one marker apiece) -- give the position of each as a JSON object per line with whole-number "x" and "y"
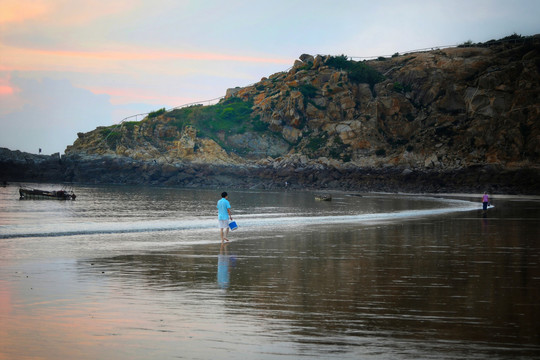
{"x": 456, "y": 285}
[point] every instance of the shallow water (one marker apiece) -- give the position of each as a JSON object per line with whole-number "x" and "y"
{"x": 139, "y": 273}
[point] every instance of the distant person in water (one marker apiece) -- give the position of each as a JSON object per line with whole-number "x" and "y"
{"x": 485, "y": 201}
{"x": 224, "y": 215}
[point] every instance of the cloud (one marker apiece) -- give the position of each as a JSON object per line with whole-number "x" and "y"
{"x": 5, "y": 88}
{"x": 103, "y": 60}
{"x": 52, "y": 115}
{"x": 15, "y": 11}
{"x": 80, "y": 64}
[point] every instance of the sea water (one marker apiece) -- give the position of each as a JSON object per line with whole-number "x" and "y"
{"x": 140, "y": 272}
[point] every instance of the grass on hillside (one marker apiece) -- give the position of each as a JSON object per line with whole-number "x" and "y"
{"x": 358, "y": 71}
{"x": 230, "y": 116}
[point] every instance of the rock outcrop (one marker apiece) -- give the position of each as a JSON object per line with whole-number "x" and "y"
{"x": 452, "y": 116}
{"x": 445, "y": 109}
{"x": 21, "y": 166}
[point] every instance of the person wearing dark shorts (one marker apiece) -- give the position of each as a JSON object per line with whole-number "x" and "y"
{"x": 485, "y": 201}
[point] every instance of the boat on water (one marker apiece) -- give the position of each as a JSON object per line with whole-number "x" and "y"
{"x": 26, "y": 193}
{"x": 323, "y": 197}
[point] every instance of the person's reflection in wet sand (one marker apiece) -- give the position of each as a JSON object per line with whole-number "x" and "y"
{"x": 224, "y": 271}
{"x": 484, "y": 224}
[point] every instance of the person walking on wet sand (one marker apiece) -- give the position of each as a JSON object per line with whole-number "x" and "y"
{"x": 224, "y": 215}
{"x": 485, "y": 201}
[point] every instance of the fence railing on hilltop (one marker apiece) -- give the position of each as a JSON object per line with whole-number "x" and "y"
{"x": 510, "y": 39}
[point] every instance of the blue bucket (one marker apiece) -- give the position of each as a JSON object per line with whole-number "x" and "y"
{"x": 232, "y": 225}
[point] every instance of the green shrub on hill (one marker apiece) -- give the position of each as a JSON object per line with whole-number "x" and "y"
{"x": 359, "y": 72}
{"x": 317, "y": 142}
{"x": 308, "y": 90}
{"x": 130, "y": 125}
{"x": 260, "y": 126}
{"x": 401, "y": 88}
{"x": 338, "y": 150}
{"x": 230, "y": 116}
{"x": 110, "y": 136}
{"x": 156, "y": 113}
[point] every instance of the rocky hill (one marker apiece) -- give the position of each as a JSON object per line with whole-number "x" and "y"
{"x": 441, "y": 119}
{"x": 448, "y": 109}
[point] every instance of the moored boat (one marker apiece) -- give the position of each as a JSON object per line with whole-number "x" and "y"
{"x": 323, "y": 197}
{"x": 26, "y": 193}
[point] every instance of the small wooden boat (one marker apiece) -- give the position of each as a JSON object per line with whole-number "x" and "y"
{"x": 323, "y": 197}
{"x": 45, "y": 194}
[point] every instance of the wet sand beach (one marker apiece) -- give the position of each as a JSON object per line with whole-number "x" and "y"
{"x": 454, "y": 285}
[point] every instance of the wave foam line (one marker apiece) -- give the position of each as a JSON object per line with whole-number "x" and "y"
{"x": 360, "y": 218}
{"x": 246, "y": 221}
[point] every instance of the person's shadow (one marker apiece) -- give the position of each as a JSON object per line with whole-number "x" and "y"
{"x": 223, "y": 269}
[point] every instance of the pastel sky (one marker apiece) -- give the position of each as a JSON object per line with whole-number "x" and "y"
{"x": 68, "y": 66}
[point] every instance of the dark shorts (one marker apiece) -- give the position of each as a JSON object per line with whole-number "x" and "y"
{"x": 485, "y": 205}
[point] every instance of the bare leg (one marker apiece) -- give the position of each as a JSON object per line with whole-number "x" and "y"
{"x": 224, "y": 238}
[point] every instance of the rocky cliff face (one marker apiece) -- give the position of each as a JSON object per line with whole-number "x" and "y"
{"x": 442, "y": 109}
{"x": 464, "y": 106}
{"x": 448, "y": 109}
{"x": 459, "y": 119}
{"x": 21, "y": 166}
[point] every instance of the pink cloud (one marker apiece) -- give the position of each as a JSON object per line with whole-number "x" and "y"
{"x": 146, "y": 54}
{"x": 13, "y": 11}
{"x": 58, "y": 12}
{"x": 123, "y": 96}
{"x": 6, "y": 90}
{"x": 138, "y": 60}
